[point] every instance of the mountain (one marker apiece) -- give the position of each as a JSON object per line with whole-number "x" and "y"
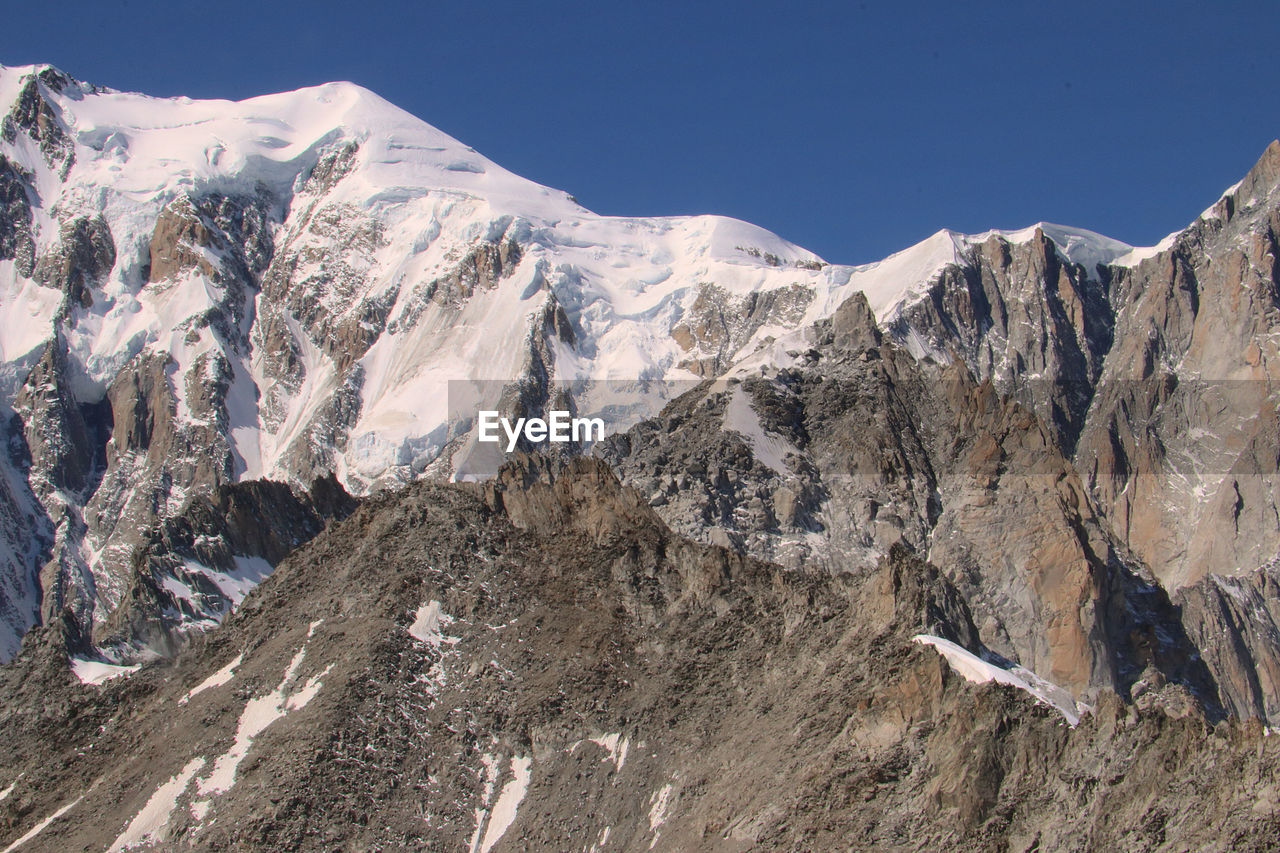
{"x": 242, "y": 336}
{"x": 1091, "y": 456}
{"x": 538, "y": 664}
{"x": 204, "y": 293}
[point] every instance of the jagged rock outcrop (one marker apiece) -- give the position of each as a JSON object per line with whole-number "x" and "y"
{"x": 1235, "y": 621}
{"x": 16, "y": 243}
{"x": 1180, "y": 449}
{"x": 1026, "y": 318}
{"x": 83, "y": 256}
{"x": 65, "y": 440}
{"x": 194, "y": 569}
{"x": 1073, "y": 441}
{"x": 428, "y": 674}
{"x": 830, "y": 464}
{"x": 1154, "y": 375}
{"x": 720, "y": 324}
{"x": 39, "y": 116}
{"x": 26, "y": 535}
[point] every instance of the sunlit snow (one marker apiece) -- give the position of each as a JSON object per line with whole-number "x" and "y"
{"x": 98, "y": 672}
{"x": 151, "y": 822}
{"x": 973, "y": 668}
{"x": 218, "y": 679}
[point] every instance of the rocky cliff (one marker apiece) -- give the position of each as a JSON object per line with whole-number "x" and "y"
{"x": 540, "y": 664}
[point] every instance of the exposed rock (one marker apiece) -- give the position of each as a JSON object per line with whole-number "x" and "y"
{"x": 40, "y": 118}
{"x": 317, "y": 274}
{"x": 193, "y": 569}
{"x": 1236, "y": 622}
{"x": 1022, "y": 459}
{"x": 16, "y": 242}
{"x": 1179, "y": 449}
{"x": 882, "y": 452}
{"x": 425, "y": 674}
{"x": 65, "y": 440}
{"x": 719, "y": 324}
{"x": 480, "y": 268}
{"x": 1023, "y": 318}
{"x": 84, "y": 255}
{"x": 26, "y": 534}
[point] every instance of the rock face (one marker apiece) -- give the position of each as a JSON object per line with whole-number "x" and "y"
{"x": 25, "y": 538}
{"x": 1193, "y": 374}
{"x": 194, "y": 569}
{"x": 1236, "y": 622}
{"x": 83, "y": 256}
{"x": 981, "y": 414}
{"x": 721, "y": 325}
{"x": 1155, "y": 375}
{"x": 16, "y": 243}
{"x": 860, "y": 448}
{"x": 1072, "y": 446}
{"x": 36, "y": 114}
{"x": 539, "y": 663}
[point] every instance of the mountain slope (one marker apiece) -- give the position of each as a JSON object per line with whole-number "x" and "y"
{"x": 540, "y": 664}
{"x": 765, "y": 612}
{"x": 1090, "y": 456}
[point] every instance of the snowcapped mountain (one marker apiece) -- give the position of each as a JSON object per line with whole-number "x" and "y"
{"x": 205, "y": 292}
{"x": 230, "y": 333}
{"x": 198, "y": 298}
{"x": 364, "y": 217}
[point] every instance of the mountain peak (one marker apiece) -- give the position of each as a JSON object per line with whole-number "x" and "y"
{"x": 1262, "y": 179}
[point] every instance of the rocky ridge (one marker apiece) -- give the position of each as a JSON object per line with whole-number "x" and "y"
{"x": 538, "y": 663}
{"x": 1088, "y": 454}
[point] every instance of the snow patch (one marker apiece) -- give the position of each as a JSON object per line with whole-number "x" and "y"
{"x": 769, "y": 450}
{"x": 616, "y": 748}
{"x": 99, "y": 672}
{"x": 491, "y": 769}
{"x": 1142, "y": 253}
{"x": 899, "y": 278}
{"x": 1077, "y": 245}
{"x": 427, "y": 622}
{"x": 973, "y": 668}
{"x": 151, "y": 822}
{"x": 218, "y": 679}
{"x": 237, "y": 583}
{"x": 258, "y": 714}
{"x": 42, "y": 825}
{"x": 26, "y": 313}
{"x": 659, "y": 803}
{"x": 509, "y": 799}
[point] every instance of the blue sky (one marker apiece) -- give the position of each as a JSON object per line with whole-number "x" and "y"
{"x": 853, "y": 129}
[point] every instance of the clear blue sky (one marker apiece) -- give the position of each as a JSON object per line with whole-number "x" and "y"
{"x": 854, "y": 129}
